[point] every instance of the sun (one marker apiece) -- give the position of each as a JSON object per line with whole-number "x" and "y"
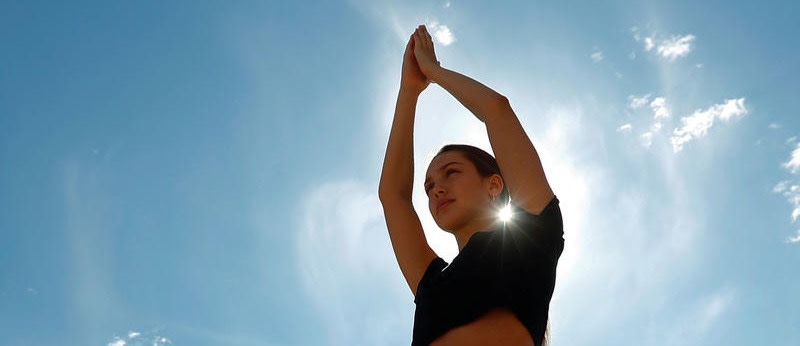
{"x": 505, "y": 213}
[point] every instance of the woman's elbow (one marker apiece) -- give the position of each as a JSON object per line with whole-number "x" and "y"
{"x": 496, "y": 106}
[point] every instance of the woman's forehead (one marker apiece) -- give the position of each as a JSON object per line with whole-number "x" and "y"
{"x": 444, "y": 159}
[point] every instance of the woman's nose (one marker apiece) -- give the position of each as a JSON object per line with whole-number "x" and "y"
{"x": 438, "y": 191}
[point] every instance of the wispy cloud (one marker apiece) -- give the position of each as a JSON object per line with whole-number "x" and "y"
{"x": 597, "y": 56}
{"x": 153, "y": 338}
{"x": 611, "y": 273}
{"x": 792, "y": 193}
{"x": 793, "y": 165}
{"x": 698, "y": 124}
{"x": 86, "y": 208}
{"x": 625, "y": 128}
{"x": 635, "y": 102}
{"x": 714, "y": 307}
{"x": 347, "y": 265}
{"x": 117, "y": 342}
{"x": 660, "y": 110}
{"x": 671, "y": 48}
{"x": 659, "y": 107}
{"x": 676, "y": 47}
{"x": 646, "y": 139}
{"x": 790, "y": 189}
{"x": 648, "y": 43}
{"x": 442, "y": 33}
{"x": 703, "y": 316}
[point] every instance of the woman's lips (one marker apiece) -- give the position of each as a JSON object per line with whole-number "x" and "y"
{"x": 444, "y": 204}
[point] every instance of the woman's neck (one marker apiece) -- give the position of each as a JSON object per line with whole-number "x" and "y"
{"x": 464, "y": 234}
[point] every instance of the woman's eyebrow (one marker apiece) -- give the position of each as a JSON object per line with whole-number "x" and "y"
{"x": 428, "y": 178}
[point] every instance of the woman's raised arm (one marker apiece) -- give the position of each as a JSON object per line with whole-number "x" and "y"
{"x": 397, "y": 178}
{"x": 518, "y": 160}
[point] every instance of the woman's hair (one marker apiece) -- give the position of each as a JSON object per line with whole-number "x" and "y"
{"x": 483, "y": 161}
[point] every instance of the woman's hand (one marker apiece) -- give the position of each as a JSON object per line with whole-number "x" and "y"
{"x": 412, "y": 78}
{"x": 423, "y": 51}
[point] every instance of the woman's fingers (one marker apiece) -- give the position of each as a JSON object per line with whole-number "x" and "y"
{"x": 426, "y": 35}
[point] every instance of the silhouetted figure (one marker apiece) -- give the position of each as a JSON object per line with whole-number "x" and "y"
{"x": 497, "y": 290}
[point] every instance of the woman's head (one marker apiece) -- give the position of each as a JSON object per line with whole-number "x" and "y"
{"x": 464, "y": 186}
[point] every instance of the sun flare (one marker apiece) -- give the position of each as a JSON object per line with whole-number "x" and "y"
{"x": 505, "y": 213}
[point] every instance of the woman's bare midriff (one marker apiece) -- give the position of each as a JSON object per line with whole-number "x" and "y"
{"x": 497, "y": 327}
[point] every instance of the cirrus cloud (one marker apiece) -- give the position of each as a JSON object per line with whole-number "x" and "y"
{"x": 790, "y": 189}
{"x": 698, "y": 124}
{"x": 671, "y": 48}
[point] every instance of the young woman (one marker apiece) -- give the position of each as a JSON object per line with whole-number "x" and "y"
{"x": 497, "y": 290}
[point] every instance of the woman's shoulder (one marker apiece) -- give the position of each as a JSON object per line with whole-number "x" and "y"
{"x": 526, "y": 231}
{"x": 549, "y": 210}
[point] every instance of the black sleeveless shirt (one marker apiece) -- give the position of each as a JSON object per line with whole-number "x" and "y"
{"x": 513, "y": 265}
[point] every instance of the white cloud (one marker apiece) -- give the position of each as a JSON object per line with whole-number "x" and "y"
{"x": 790, "y": 189}
{"x": 698, "y": 124}
{"x": 442, "y": 33}
{"x": 671, "y": 48}
{"x": 648, "y": 43}
{"x": 152, "y": 338}
{"x": 793, "y": 165}
{"x": 656, "y": 127}
{"x": 676, "y": 47}
{"x": 625, "y": 128}
{"x": 659, "y": 107}
{"x": 793, "y": 194}
{"x": 635, "y": 102}
{"x": 647, "y": 139}
{"x": 732, "y": 108}
{"x": 597, "y": 56}
{"x": 660, "y": 111}
{"x": 795, "y": 239}
{"x": 774, "y": 126}
{"x": 447, "y": 4}
{"x": 117, "y": 342}
{"x": 780, "y": 187}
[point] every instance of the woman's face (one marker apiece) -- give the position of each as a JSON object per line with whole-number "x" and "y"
{"x": 457, "y": 194}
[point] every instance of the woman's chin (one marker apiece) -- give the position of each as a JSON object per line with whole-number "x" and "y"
{"x": 446, "y": 222}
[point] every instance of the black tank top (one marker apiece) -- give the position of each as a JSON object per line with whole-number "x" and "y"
{"x": 512, "y": 266}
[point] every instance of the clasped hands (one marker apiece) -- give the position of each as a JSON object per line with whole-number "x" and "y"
{"x": 419, "y": 61}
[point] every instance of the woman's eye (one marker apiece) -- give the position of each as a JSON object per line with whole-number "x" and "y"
{"x": 451, "y": 171}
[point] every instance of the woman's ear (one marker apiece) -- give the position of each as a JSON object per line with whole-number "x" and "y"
{"x": 495, "y": 184}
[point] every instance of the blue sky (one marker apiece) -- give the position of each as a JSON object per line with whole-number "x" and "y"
{"x": 205, "y": 173}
